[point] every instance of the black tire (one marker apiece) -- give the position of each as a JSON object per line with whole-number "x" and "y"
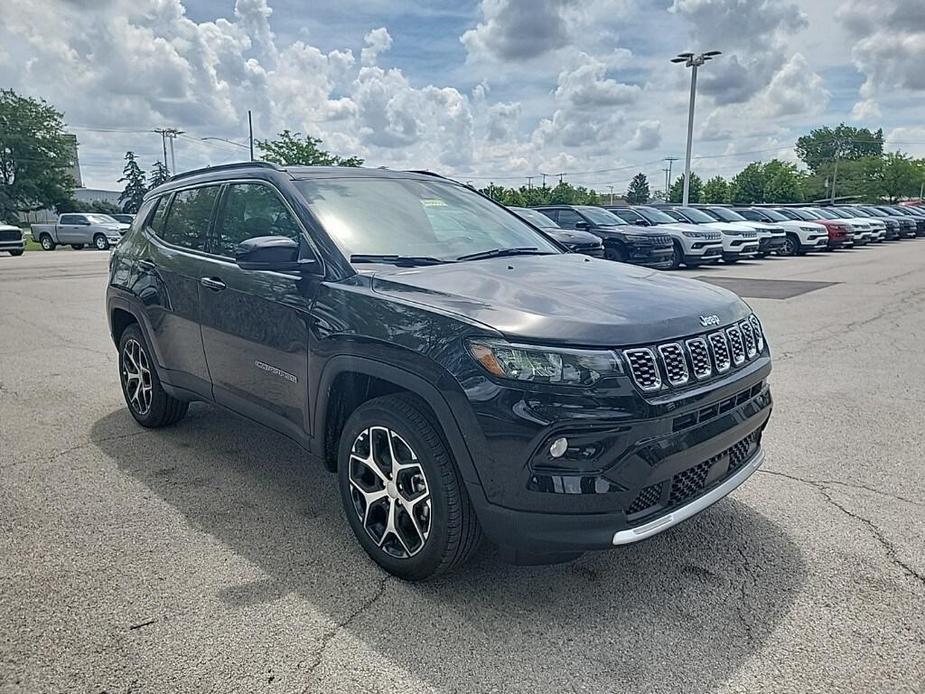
{"x": 47, "y": 243}
{"x": 454, "y": 532}
{"x": 163, "y": 409}
{"x": 791, "y": 246}
{"x": 100, "y": 242}
{"x": 677, "y": 255}
{"x": 77, "y": 246}
{"x": 15, "y": 252}
{"x": 730, "y": 261}
{"x": 616, "y": 252}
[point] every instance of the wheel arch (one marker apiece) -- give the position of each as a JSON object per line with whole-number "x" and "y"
{"x": 349, "y": 380}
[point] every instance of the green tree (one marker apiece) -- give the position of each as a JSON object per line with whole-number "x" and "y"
{"x": 135, "y": 188}
{"x": 35, "y": 155}
{"x": 159, "y": 174}
{"x": 716, "y": 190}
{"x": 638, "y": 191}
{"x": 294, "y": 149}
{"x": 895, "y": 176}
{"x": 676, "y": 194}
{"x": 825, "y": 145}
{"x": 747, "y": 186}
{"x": 782, "y": 182}
{"x": 563, "y": 194}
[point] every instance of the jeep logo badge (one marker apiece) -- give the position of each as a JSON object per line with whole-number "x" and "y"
{"x": 707, "y": 321}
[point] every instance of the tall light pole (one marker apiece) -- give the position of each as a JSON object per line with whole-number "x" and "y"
{"x": 692, "y": 61}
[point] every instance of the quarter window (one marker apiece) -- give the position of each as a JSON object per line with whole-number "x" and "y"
{"x": 187, "y": 223}
{"x": 159, "y": 216}
{"x": 252, "y": 210}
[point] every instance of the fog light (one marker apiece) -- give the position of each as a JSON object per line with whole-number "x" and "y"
{"x": 558, "y": 447}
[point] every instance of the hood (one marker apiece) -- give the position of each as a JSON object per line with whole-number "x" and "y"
{"x": 572, "y": 237}
{"x": 564, "y": 299}
{"x": 682, "y": 226}
{"x": 731, "y": 226}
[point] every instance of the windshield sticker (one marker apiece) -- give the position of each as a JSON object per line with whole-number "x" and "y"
{"x": 432, "y": 202}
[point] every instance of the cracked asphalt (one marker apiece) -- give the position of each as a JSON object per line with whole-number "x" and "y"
{"x": 213, "y": 557}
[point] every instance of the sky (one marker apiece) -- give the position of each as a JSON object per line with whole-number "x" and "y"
{"x": 481, "y": 90}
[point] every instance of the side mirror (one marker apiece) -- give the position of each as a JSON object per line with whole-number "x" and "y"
{"x": 276, "y": 253}
{"x": 582, "y": 225}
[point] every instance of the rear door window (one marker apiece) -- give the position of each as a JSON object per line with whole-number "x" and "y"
{"x": 187, "y": 223}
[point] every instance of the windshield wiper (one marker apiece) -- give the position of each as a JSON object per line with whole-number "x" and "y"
{"x": 409, "y": 260}
{"x": 501, "y": 252}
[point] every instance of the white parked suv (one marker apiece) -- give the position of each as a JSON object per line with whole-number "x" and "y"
{"x": 863, "y": 232}
{"x": 803, "y": 234}
{"x": 739, "y": 239}
{"x": 693, "y": 246}
{"x": 771, "y": 239}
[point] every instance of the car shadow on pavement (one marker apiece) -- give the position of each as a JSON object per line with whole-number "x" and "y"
{"x": 680, "y": 612}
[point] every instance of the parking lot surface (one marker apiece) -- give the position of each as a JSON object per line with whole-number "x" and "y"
{"x": 213, "y": 556}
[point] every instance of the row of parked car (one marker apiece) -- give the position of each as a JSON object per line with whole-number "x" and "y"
{"x": 666, "y": 236}
{"x": 99, "y": 231}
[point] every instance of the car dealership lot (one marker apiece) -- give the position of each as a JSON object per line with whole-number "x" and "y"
{"x": 213, "y": 556}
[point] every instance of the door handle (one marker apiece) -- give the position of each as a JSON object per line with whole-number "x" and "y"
{"x": 213, "y": 283}
{"x": 147, "y": 265}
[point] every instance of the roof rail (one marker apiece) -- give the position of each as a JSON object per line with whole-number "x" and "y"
{"x": 425, "y": 172}
{"x": 223, "y": 167}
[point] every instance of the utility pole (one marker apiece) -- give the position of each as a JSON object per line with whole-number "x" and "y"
{"x": 667, "y": 171}
{"x": 169, "y": 134}
{"x": 611, "y": 194}
{"x": 692, "y": 61}
{"x": 530, "y": 182}
{"x": 544, "y": 178}
{"x": 668, "y": 179}
{"x": 834, "y": 178}
{"x": 250, "y": 130}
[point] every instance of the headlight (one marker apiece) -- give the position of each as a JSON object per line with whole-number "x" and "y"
{"x": 695, "y": 234}
{"x": 544, "y": 364}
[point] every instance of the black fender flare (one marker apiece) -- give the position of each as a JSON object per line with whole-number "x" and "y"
{"x": 407, "y": 380}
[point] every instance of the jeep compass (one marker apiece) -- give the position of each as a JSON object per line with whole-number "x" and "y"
{"x": 460, "y": 373}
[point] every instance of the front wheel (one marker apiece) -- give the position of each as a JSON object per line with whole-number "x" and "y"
{"x": 149, "y": 403}
{"x": 77, "y": 246}
{"x": 677, "y": 256}
{"x": 47, "y": 243}
{"x": 16, "y": 252}
{"x": 404, "y": 498}
{"x": 101, "y": 242}
{"x": 791, "y": 246}
{"x": 615, "y": 252}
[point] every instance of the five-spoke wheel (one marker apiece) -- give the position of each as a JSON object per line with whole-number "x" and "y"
{"x": 136, "y": 377}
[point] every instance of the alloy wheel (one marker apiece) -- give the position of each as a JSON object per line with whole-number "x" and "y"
{"x": 390, "y": 493}
{"x": 136, "y": 377}
{"x": 101, "y": 243}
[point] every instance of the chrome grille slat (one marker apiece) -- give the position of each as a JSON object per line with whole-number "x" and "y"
{"x": 720, "y": 349}
{"x": 749, "y": 338}
{"x": 675, "y": 363}
{"x": 736, "y": 346}
{"x": 644, "y": 368}
{"x": 700, "y": 358}
{"x": 759, "y": 335}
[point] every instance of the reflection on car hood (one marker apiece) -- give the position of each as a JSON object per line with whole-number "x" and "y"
{"x": 681, "y": 226}
{"x": 564, "y": 299}
{"x": 572, "y": 236}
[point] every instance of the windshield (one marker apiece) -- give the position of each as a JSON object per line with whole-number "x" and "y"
{"x": 600, "y": 216}
{"x": 100, "y": 219}
{"x": 413, "y": 217}
{"x": 854, "y": 212}
{"x": 821, "y": 214}
{"x": 874, "y": 212}
{"x": 727, "y": 215}
{"x": 535, "y": 217}
{"x": 654, "y": 216}
{"x": 805, "y": 215}
{"x": 774, "y": 215}
{"x": 696, "y": 216}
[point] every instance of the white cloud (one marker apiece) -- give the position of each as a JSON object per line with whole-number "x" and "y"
{"x": 867, "y": 109}
{"x": 795, "y": 90}
{"x": 648, "y": 135}
{"x": 377, "y": 41}
{"x": 520, "y": 29}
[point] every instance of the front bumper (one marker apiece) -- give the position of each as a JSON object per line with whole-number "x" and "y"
{"x": 650, "y": 256}
{"x": 12, "y": 245}
{"x": 770, "y": 244}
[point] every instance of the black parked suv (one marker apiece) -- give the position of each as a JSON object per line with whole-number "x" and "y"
{"x": 574, "y": 240}
{"x": 622, "y": 241}
{"x": 459, "y": 372}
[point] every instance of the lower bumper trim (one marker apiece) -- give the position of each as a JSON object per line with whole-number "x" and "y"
{"x": 630, "y": 535}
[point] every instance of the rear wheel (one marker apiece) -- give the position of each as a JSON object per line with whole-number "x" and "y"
{"x": 149, "y": 403}
{"x": 77, "y": 246}
{"x": 402, "y": 492}
{"x": 101, "y": 242}
{"x": 47, "y": 243}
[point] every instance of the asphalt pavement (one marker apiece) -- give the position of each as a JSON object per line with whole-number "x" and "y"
{"x": 213, "y": 556}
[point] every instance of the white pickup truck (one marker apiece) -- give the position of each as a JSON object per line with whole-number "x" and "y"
{"x": 79, "y": 230}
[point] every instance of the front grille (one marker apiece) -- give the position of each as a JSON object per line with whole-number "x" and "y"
{"x": 10, "y": 235}
{"x": 688, "y": 484}
{"x": 700, "y": 358}
{"x": 644, "y": 368}
{"x": 748, "y": 337}
{"x": 645, "y": 499}
{"x": 675, "y": 364}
